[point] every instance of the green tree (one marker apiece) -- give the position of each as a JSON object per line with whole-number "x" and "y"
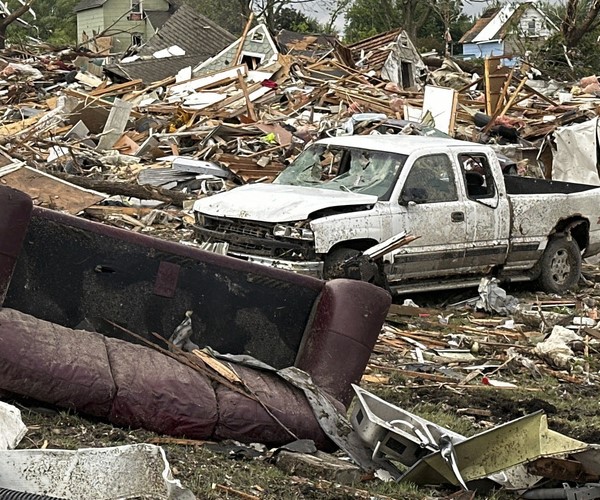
{"x": 54, "y": 22}
{"x": 365, "y": 18}
{"x": 229, "y": 14}
{"x": 294, "y": 20}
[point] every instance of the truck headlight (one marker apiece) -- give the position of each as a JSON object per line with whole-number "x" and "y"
{"x": 296, "y": 233}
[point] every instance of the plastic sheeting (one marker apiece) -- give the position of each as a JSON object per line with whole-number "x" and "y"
{"x": 576, "y": 153}
{"x": 12, "y": 428}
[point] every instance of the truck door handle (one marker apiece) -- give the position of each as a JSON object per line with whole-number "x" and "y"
{"x": 457, "y": 216}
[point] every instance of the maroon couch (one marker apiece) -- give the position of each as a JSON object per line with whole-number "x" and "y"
{"x": 73, "y": 278}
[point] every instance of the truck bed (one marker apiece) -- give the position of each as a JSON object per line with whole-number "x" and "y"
{"x": 530, "y": 185}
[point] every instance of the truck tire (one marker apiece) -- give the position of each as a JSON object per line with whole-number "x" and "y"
{"x": 333, "y": 267}
{"x": 560, "y": 265}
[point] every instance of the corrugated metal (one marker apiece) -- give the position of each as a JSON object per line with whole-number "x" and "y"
{"x": 379, "y": 45}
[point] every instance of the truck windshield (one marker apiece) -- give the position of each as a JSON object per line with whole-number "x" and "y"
{"x": 345, "y": 169}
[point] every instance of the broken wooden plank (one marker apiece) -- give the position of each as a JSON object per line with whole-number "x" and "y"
{"x": 115, "y": 125}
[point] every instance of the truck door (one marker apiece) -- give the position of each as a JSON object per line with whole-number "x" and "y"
{"x": 429, "y": 206}
{"x": 486, "y": 211}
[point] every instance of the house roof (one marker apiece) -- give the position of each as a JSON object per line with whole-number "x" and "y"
{"x": 191, "y": 31}
{"x": 158, "y": 18}
{"x": 380, "y": 45}
{"x": 153, "y": 70}
{"x": 305, "y": 44}
{"x": 495, "y": 23}
{"x": 479, "y": 25}
{"x": 88, "y": 4}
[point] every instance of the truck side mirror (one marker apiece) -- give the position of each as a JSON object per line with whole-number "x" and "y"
{"x": 412, "y": 196}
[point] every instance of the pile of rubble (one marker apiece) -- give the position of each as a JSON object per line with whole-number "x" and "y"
{"x": 206, "y": 130}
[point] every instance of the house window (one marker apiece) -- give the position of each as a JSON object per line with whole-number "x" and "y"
{"x": 258, "y": 36}
{"x": 136, "y": 13}
{"x": 137, "y": 39}
{"x": 531, "y": 27}
{"x": 251, "y": 60}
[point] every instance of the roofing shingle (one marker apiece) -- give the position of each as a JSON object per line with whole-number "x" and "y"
{"x": 88, "y": 4}
{"x": 379, "y": 44}
{"x": 192, "y": 32}
{"x": 481, "y": 23}
{"x": 153, "y": 70}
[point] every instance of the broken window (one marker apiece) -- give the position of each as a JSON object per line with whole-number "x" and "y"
{"x": 478, "y": 176}
{"x": 345, "y": 169}
{"x": 252, "y": 61}
{"x": 431, "y": 180}
{"x": 137, "y": 39}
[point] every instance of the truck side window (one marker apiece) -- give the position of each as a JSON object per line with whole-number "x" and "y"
{"x": 478, "y": 175}
{"x": 430, "y": 180}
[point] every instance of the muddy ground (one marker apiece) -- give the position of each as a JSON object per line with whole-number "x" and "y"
{"x": 435, "y": 389}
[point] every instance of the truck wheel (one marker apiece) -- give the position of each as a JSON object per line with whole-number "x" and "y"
{"x": 333, "y": 267}
{"x": 560, "y": 266}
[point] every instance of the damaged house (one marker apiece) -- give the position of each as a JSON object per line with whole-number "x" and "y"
{"x": 507, "y": 30}
{"x": 185, "y": 40}
{"x": 120, "y": 23}
{"x": 258, "y": 49}
{"x": 391, "y": 54}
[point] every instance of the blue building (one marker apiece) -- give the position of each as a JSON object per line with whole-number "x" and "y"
{"x": 509, "y": 30}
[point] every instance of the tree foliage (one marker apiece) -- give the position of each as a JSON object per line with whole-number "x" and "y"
{"x": 229, "y": 14}
{"x": 421, "y": 20}
{"x": 55, "y": 22}
{"x": 294, "y": 20}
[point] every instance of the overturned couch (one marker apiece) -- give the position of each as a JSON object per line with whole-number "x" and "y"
{"x": 72, "y": 287}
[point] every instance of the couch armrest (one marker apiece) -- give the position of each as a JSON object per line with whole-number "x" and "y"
{"x": 15, "y": 213}
{"x": 345, "y": 323}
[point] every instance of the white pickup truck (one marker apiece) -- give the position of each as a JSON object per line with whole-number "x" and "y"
{"x": 344, "y": 195}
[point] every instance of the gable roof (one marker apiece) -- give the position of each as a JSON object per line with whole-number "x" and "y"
{"x": 88, "y": 4}
{"x": 269, "y": 45}
{"x": 191, "y": 31}
{"x": 495, "y": 23}
{"x": 380, "y": 45}
{"x": 479, "y": 25}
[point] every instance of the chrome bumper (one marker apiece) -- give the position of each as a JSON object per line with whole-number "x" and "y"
{"x": 311, "y": 268}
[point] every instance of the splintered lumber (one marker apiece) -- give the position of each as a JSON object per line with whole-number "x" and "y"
{"x": 144, "y": 192}
{"x": 249, "y": 105}
{"x": 117, "y": 88}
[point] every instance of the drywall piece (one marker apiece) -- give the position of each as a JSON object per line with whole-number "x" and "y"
{"x": 441, "y": 102}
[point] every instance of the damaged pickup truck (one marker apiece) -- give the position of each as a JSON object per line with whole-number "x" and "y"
{"x": 341, "y": 196}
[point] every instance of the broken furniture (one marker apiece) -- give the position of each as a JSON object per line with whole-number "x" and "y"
{"x": 74, "y": 274}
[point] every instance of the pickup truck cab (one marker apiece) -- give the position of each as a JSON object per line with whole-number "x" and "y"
{"x": 344, "y": 195}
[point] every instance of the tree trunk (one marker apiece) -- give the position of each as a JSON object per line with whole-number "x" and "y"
{"x": 572, "y": 30}
{"x": 3, "y": 35}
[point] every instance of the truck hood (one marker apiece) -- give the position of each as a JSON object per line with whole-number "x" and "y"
{"x": 277, "y": 202}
